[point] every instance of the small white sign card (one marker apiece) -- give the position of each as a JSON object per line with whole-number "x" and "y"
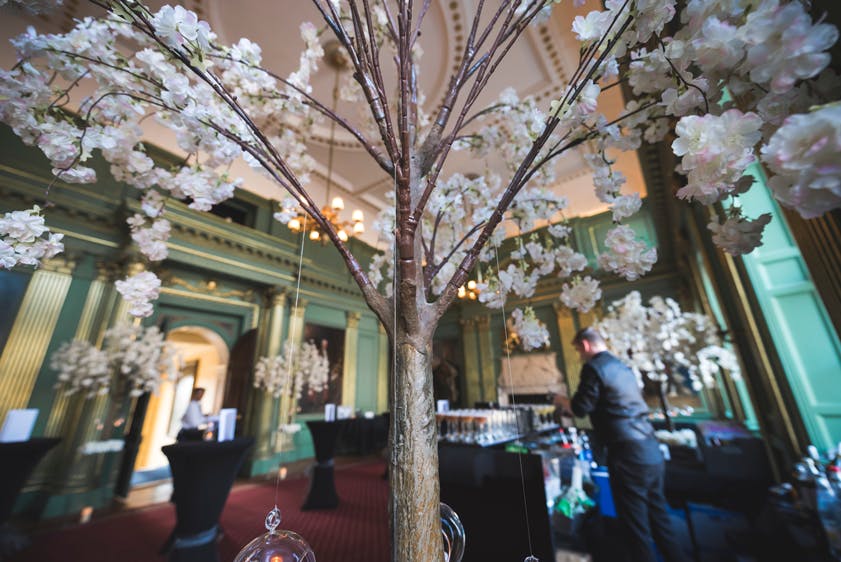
{"x": 227, "y": 424}
{"x": 343, "y": 412}
{"x": 443, "y": 406}
{"x": 329, "y": 412}
{"x": 18, "y": 425}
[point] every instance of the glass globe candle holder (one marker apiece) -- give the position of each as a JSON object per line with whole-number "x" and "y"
{"x": 276, "y": 545}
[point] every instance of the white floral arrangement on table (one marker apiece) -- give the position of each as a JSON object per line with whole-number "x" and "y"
{"x": 660, "y": 338}
{"x": 297, "y": 366}
{"x": 106, "y": 446}
{"x": 134, "y": 354}
{"x": 681, "y": 437}
{"x": 289, "y": 428}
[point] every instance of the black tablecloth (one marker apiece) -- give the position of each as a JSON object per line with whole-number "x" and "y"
{"x": 17, "y": 461}
{"x": 202, "y": 475}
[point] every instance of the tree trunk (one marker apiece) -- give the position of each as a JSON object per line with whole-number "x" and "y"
{"x": 414, "y": 502}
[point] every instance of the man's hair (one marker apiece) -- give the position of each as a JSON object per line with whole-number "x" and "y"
{"x": 588, "y": 334}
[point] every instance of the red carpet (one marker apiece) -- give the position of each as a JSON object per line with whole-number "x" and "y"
{"x": 356, "y": 531}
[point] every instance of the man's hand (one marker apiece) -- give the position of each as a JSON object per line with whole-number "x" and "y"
{"x": 562, "y": 403}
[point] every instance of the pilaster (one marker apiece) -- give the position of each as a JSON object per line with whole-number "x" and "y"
{"x": 26, "y": 347}
{"x": 350, "y": 359}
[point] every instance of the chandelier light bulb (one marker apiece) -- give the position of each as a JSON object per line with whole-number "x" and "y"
{"x": 471, "y": 285}
{"x": 294, "y": 225}
{"x": 342, "y": 235}
{"x": 359, "y": 228}
{"x": 338, "y": 204}
{"x": 315, "y": 235}
{"x": 357, "y": 216}
{"x": 462, "y": 292}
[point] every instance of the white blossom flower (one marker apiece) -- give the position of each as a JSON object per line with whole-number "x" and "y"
{"x": 23, "y": 241}
{"x": 138, "y": 290}
{"x": 581, "y": 294}
{"x": 533, "y": 333}
{"x": 804, "y": 157}
{"x": 625, "y": 255}
{"x": 738, "y": 235}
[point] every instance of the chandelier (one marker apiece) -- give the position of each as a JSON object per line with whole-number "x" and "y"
{"x": 469, "y": 291}
{"x": 336, "y": 59}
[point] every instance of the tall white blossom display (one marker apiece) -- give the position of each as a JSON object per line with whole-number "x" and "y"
{"x": 660, "y": 340}
{"x": 139, "y": 357}
{"x": 133, "y": 360}
{"x": 81, "y": 368}
{"x": 297, "y": 368}
{"x": 736, "y": 77}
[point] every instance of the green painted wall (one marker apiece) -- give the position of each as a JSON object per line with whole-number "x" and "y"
{"x": 803, "y": 334}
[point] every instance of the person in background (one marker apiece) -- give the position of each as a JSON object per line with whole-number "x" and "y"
{"x": 609, "y": 394}
{"x": 194, "y": 421}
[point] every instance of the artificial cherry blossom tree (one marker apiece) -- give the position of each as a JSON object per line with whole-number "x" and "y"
{"x": 736, "y": 78}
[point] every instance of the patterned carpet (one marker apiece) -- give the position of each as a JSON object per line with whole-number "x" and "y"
{"x": 356, "y": 531}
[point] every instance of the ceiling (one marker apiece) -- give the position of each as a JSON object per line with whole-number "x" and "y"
{"x": 538, "y": 65}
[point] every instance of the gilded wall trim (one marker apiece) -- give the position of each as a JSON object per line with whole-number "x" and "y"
{"x": 30, "y": 337}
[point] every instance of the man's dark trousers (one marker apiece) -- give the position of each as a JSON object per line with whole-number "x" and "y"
{"x": 641, "y": 507}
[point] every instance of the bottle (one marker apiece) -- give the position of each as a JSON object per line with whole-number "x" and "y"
{"x": 829, "y": 512}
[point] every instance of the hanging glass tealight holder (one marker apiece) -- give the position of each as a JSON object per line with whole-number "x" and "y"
{"x": 276, "y": 545}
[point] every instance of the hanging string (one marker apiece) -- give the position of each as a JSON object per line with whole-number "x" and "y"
{"x": 531, "y": 557}
{"x": 291, "y": 359}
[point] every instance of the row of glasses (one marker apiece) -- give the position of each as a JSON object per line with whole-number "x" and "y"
{"x": 479, "y": 426}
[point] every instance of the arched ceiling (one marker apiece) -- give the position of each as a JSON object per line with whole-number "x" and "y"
{"x": 538, "y": 65}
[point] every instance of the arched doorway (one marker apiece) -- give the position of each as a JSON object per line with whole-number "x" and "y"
{"x": 203, "y": 357}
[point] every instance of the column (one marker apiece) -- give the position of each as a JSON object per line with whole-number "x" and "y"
{"x": 26, "y": 348}
{"x": 274, "y": 323}
{"x": 487, "y": 369}
{"x": 350, "y": 365}
{"x": 566, "y": 331}
{"x": 383, "y": 372}
{"x": 472, "y": 367}
{"x": 266, "y": 410}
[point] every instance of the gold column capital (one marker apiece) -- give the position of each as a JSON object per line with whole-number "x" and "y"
{"x": 276, "y": 297}
{"x": 108, "y": 271}
{"x": 353, "y": 319}
{"x": 59, "y": 264}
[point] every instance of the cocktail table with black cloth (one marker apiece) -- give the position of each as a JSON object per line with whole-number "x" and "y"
{"x": 322, "y": 492}
{"x": 202, "y": 475}
{"x": 17, "y": 461}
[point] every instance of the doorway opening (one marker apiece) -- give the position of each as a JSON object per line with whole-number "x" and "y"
{"x": 203, "y": 357}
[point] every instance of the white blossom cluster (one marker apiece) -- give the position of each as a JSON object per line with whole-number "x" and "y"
{"x": 738, "y": 235}
{"x": 626, "y": 255}
{"x": 139, "y": 357}
{"x": 298, "y": 366}
{"x": 133, "y": 358}
{"x": 736, "y": 76}
{"x": 131, "y": 79}
{"x": 732, "y": 74}
{"x": 581, "y": 294}
{"x": 26, "y": 240}
{"x": 81, "y": 368}
{"x": 139, "y": 290}
{"x": 533, "y": 333}
{"x": 659, "y": 339}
